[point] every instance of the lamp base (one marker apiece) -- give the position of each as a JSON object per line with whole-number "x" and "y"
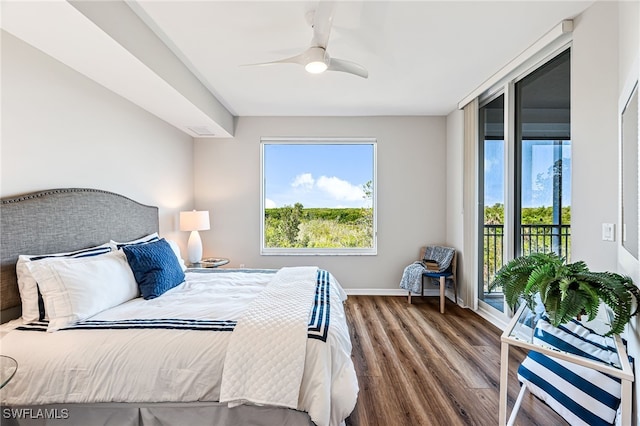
{"x": 194, "y": 248}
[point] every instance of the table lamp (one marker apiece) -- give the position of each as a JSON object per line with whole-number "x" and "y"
{"x": 194, "y": 221}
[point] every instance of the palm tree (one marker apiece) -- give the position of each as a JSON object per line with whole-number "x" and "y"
{"x": 567, "y": 290}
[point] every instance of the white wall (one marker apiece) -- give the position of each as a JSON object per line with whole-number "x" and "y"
{"x": 606, "y": 49}
{"x": 628, "y": 71}
{"x": 629, "y": 37}
{"x": 411, "y": 154}
{"x": 606, "y": 42}
{"x": 594, "y": 129}
{"x": 60, "y": 129}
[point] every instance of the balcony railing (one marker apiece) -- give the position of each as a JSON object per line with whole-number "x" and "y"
{"x": 533, "y": 239}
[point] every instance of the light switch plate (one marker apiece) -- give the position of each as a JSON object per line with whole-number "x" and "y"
{"x": 608, "y": 232}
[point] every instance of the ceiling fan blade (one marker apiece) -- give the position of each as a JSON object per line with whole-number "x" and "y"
{"x": 316, "y": 58}
{"x": 348, "y": 66}
{"x": 297, "y": 59}
{"x": 322, "y": 20}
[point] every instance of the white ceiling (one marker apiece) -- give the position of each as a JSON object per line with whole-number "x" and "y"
{"x": 182, "y": 60}
{"x": 423, "y": 57}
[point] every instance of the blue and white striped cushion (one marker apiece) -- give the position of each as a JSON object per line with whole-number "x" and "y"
{"x": 575, "y": 338}
{"x": 581, "y": 395}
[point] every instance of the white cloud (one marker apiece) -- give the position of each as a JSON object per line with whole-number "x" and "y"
{"x": 489, "y": 163}
{"x": 269, "y": 204}
{"x": 340, "y": 189}
{"x": 304, "y": 180}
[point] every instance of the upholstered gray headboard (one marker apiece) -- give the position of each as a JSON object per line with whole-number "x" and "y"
{"x": 60, "y": 220}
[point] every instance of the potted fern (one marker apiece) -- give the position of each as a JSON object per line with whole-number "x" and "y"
{"x": 567, "y": 290}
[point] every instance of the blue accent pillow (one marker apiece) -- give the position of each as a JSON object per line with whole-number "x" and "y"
{"x": 155, "y": 267}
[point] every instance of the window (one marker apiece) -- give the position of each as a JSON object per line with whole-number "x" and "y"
{"x": 491, "y": 193}
{"x": 318, "y": 196}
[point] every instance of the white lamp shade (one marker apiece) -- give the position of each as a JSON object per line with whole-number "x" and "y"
{"x": 194, "y": 221}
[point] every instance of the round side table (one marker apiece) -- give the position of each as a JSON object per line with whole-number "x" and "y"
{"x": 8, "y": 367}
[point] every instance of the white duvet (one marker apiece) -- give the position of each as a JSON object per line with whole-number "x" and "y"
{"x": 172, "y": 365}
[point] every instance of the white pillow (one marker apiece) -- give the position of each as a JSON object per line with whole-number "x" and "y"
{"x": 75, "y": 289}
{"x": 27, "y": 284}
{"x": 143, "y": 240}
{"x": 176, "y": 250}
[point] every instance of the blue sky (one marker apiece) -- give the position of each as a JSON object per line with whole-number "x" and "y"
{"x": 317, "y": 175}
{"x": 537, "y": 155}
{"x": 493, "y": 172}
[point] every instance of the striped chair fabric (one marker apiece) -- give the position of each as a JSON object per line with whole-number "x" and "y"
{"x": 582, "y": 396}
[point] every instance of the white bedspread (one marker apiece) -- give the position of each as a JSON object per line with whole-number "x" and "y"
{"x": 174, "y": 363}
{"x": 265, "y": 358}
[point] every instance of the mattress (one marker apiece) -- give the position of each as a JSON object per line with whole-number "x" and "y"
{"x": 173, "y": 349}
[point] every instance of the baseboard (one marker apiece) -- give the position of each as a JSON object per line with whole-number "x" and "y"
{"x": 492, "y": 317}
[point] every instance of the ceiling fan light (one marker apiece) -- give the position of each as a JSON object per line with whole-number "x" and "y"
{"x": 316, "y": 67}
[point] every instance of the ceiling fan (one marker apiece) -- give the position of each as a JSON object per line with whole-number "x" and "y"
{"x": 316, "y": 59}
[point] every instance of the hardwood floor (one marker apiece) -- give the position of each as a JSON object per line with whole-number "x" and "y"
{"x": 416, "y": 366}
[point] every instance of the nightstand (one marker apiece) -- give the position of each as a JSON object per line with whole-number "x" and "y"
{"x": 208, "y": 263}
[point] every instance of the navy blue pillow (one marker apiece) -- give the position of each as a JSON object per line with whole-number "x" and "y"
{"x": 155, "y": 267}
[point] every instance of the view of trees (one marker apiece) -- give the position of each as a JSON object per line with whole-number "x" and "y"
{"x": 537, "y": 235}
{"x": 494, "y": 215}
{"x": 299, "y": 227}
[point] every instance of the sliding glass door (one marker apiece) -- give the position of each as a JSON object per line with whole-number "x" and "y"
{"x": 524, "y": 172}
{"x": 543, "y": 147}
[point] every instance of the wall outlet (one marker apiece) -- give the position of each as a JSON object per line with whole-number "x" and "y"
{"x": 242, "y": 265}
{"x": 608, "y": 232}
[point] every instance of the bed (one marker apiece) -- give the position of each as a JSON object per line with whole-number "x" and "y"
{"x": 132, "y": 345}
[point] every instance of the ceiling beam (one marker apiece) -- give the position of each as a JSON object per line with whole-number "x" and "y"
{"x": 153, "y": 80}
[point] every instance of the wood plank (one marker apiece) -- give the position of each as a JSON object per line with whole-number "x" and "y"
{"x": 416, "y": 366}
{"x": 456, "y": 353}
{"x": 407, "y": 405}
{"x": 363, "y": 353}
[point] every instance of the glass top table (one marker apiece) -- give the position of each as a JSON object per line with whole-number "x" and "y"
{"x": 520, "y": 332}
{"x": 209, "y": 263}
{"x": 8, "y": 368}
{"x": 523, "y": 326}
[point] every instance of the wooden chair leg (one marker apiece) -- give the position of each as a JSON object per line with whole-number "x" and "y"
{"x": 409, "y": 296}
{"x": 455, "y": 290}
{"x": 443, "y": 284}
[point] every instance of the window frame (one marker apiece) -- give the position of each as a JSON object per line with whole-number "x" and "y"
{"x": 289, "y": 251}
